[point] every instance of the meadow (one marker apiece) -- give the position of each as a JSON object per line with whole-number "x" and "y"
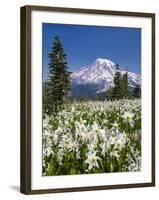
{"x": 93, "y": 137}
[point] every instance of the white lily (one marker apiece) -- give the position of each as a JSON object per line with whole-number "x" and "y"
{"x": 128, "y": 115}
{"x": 92, "y": 160}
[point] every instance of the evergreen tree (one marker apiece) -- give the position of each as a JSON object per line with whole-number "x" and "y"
{"x": 116, "y": 91}
{"x": 137, "y": 91}
{"x": 59, "y": 77}
{"x": 47, "y": 99}
{"x": 125, "y": 85}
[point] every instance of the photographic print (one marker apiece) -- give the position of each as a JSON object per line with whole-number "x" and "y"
{"x": 87, "y": 99}
{"x": 91, "y": 99}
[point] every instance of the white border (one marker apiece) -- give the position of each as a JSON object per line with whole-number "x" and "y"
{"x": 39, "y": 182}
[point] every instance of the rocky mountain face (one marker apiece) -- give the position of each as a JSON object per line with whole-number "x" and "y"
{"x": 98, "y": 77}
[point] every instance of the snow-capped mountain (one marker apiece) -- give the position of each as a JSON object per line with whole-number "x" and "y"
{"x": 101, "y": 74}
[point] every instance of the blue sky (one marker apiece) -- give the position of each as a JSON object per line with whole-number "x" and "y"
{"x": 83, "y": 44}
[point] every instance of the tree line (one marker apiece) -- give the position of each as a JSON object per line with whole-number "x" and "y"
{"x": 121, "y": 88}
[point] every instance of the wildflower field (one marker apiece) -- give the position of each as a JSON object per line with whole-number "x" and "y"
{"x": 93, "y": 137}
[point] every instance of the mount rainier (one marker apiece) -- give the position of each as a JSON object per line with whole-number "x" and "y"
{"x": 98, "y": 77}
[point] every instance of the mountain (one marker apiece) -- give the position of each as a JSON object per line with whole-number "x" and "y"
{"x": 97, "y": 78}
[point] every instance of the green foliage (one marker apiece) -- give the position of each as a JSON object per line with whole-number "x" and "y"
{"x": 116, "y": 92}
{"x": 47, "y": 100}
{"x": 120, "y": 89}
{"x": 137, "y": 91}
{"x": 58, "y": 85}
{"x": 109, "y": 94}
{"x": 124, "y": 86}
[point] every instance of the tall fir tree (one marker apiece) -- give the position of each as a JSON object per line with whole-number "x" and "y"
{"x": 125, "y": 85}
{"x": 59, "y": 77}
{"x": 116, "y": 91}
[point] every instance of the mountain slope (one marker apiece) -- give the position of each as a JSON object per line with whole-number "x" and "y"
{"x": 99, "y": 75}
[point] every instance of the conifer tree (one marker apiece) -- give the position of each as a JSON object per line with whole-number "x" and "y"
{"x": 116, "y": 91}
{"x": 59, "y": 77}
{"x": 124, "y": 85}
{"x": 46, "y": 99}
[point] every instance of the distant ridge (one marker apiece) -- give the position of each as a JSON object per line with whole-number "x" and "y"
{"x": 100, "y": 74}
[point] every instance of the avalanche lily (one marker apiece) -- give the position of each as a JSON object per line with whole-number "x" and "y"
{"x": 92, "y": 160}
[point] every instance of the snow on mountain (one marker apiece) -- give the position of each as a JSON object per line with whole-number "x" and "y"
{"x": 101, "y": 72}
